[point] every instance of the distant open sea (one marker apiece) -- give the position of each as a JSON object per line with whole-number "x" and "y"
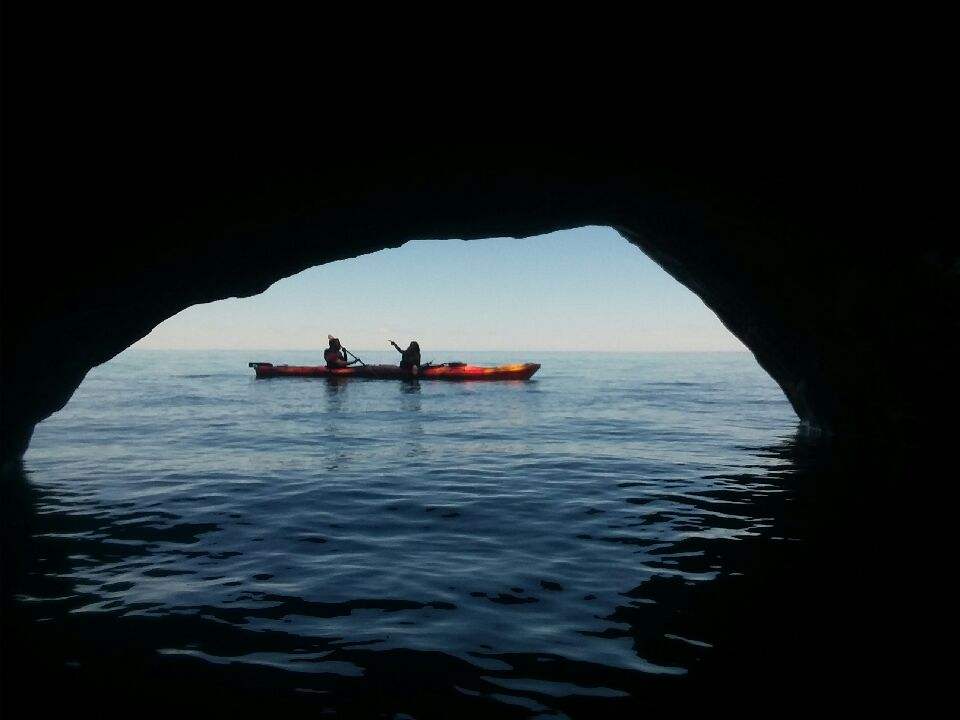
{"x": 614, "y": 531}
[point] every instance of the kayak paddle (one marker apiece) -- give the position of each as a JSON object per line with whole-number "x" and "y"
{"x": 354, "y": 356}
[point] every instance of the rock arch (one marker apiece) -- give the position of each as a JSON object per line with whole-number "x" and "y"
{"x": 774, "y": 246}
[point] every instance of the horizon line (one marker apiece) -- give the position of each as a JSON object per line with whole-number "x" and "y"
{"x": 438, "y": 350}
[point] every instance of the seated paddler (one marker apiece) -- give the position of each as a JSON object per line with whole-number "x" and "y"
{"x": 409, "y": 358}
{"x": 336, "y": 356}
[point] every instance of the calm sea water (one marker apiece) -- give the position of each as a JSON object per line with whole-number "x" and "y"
{"x": 576, "y": 545}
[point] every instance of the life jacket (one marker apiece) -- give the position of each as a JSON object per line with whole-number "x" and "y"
{"x": 332, "y": 357}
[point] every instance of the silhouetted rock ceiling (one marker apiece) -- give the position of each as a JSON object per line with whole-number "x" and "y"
{"x": 114, "y": 223}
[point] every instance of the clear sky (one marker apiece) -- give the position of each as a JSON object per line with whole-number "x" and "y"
{"x": 561, "y": 291}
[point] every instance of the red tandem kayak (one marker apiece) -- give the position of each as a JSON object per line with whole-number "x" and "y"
{"x": 447, "y": 371}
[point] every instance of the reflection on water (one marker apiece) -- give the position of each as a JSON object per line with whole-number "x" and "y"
{"x": 434, "y": 563}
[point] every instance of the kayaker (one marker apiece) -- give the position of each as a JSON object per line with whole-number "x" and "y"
{"x": 409, "y": 358}
{"x": 335, "y": 356}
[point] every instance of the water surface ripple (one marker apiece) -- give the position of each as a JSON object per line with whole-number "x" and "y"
{"x": 540, "y": 548}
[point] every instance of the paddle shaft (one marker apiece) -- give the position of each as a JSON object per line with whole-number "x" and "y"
{"x": 354, "y": 356}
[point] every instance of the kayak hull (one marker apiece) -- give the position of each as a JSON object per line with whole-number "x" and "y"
{"x": 455, "y": 371}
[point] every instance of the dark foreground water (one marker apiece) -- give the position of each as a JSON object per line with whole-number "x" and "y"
{"x": 584, "y": 544}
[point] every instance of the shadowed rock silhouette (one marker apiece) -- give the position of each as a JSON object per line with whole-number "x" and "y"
{"x": 776, "y": 245}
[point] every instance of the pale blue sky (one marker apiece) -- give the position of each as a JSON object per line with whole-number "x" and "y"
{"x": 567, "y": 290}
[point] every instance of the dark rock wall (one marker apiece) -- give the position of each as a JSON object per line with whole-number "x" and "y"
{"x": 105, "y": 246}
